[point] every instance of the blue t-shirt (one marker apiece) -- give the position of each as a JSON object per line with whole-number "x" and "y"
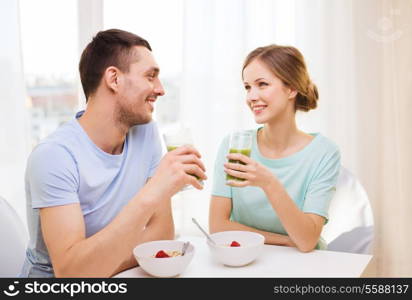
{"x": 309, "y": 177}
{"x": 67, "y": 167}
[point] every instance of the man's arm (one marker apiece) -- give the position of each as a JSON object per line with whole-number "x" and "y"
{"x": 159, "y": 227}
{"x": 102, "y": 254}
{"x": 74, "y": 255}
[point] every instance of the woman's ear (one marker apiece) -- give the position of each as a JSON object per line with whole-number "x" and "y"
{"x": 292, "y": 93}
{"x": 111, "y": 78}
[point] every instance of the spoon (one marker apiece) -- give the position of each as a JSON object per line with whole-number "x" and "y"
{"x": 185, "y": 246}
{"x": 204, "y": 232}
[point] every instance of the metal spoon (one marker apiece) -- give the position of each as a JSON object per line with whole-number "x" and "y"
{"x": 185, "y": 246}
{"x": 204, "y": 232}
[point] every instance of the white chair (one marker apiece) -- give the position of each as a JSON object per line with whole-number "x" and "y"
{"x": 350, "y": 227}
{"x": 14, "y": 238}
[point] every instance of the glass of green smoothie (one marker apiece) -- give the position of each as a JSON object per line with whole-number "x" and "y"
{"x": 176, "y": 138}
{"x": 240, "y": 142}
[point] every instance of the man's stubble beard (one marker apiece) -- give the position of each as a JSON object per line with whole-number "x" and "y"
{"x": 126, "y": 117}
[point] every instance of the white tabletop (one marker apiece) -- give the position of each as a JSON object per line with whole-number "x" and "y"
{"x": 275, "y": 261}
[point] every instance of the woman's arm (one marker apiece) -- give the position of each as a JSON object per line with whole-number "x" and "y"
{"x": 303, "y": 228}
{"x": 219, "y": 220}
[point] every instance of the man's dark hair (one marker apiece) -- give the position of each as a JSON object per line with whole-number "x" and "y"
{"x": 113, "y": 47}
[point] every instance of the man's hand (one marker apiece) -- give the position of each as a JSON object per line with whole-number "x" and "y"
{"x": 177, "y": 169}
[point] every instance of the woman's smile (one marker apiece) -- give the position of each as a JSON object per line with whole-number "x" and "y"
{"x": 258, "y": 109}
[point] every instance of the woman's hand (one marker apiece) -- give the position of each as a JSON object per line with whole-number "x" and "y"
{"x": 253, "y": 173}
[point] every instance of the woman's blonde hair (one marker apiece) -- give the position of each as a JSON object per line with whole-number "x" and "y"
{"x": 288, "y": 64}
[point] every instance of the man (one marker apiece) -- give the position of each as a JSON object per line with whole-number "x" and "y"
{"x": 89, "y": 198}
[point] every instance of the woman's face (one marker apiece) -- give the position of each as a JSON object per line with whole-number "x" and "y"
{"x": 267, "y": 97}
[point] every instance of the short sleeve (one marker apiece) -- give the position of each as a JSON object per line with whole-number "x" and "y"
{"x": 157, "y": 150}
{"x": 52, "y": 176}
{"x": 219, "y": 176}
{"x": 323, "y": 185}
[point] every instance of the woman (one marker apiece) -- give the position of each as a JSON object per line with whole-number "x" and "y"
{"x": 291, "y": 175}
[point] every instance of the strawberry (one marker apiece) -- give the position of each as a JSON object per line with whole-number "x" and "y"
{"x": 234, "y": 244}
{"x": 161, "y": 254}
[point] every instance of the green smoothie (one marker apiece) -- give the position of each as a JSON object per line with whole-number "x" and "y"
{"x": 171, "y": 148}
{"x": 241, "y": 151}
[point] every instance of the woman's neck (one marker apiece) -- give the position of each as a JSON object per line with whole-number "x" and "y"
{"x": 281, "y": 139}
{"x": 279, "y": 135}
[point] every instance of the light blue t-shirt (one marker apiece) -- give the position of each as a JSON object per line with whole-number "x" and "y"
{"x": 309, "y": 177}
{"x": 67, "y": 167}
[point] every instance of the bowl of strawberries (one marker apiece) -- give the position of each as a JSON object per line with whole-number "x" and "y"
{"x": 163, "y": 258}
{"x": 236, "y": 248}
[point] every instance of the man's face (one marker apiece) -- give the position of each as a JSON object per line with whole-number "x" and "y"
{"x": 138, "y": 89}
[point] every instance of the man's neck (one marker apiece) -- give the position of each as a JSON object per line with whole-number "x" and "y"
{"x": 100, "y": 125}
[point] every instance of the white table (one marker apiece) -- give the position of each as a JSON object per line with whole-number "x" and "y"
{"x": 275, "y": 261}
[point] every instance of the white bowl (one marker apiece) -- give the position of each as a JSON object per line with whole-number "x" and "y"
{"x": 163, "y": 267}
{"x": 251, "y": 245}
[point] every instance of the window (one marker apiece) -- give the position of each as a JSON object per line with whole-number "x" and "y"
{"x": 50, "y": 59}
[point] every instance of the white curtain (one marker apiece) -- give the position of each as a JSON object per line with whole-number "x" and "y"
{"x": 392, "y": 165}
{"x": 212, "y": 102}
{"x": 13, "y": 114}
{"x": 361, "y": 55}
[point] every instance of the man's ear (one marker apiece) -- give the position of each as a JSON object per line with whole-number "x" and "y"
{"x": 112, "y": 78}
